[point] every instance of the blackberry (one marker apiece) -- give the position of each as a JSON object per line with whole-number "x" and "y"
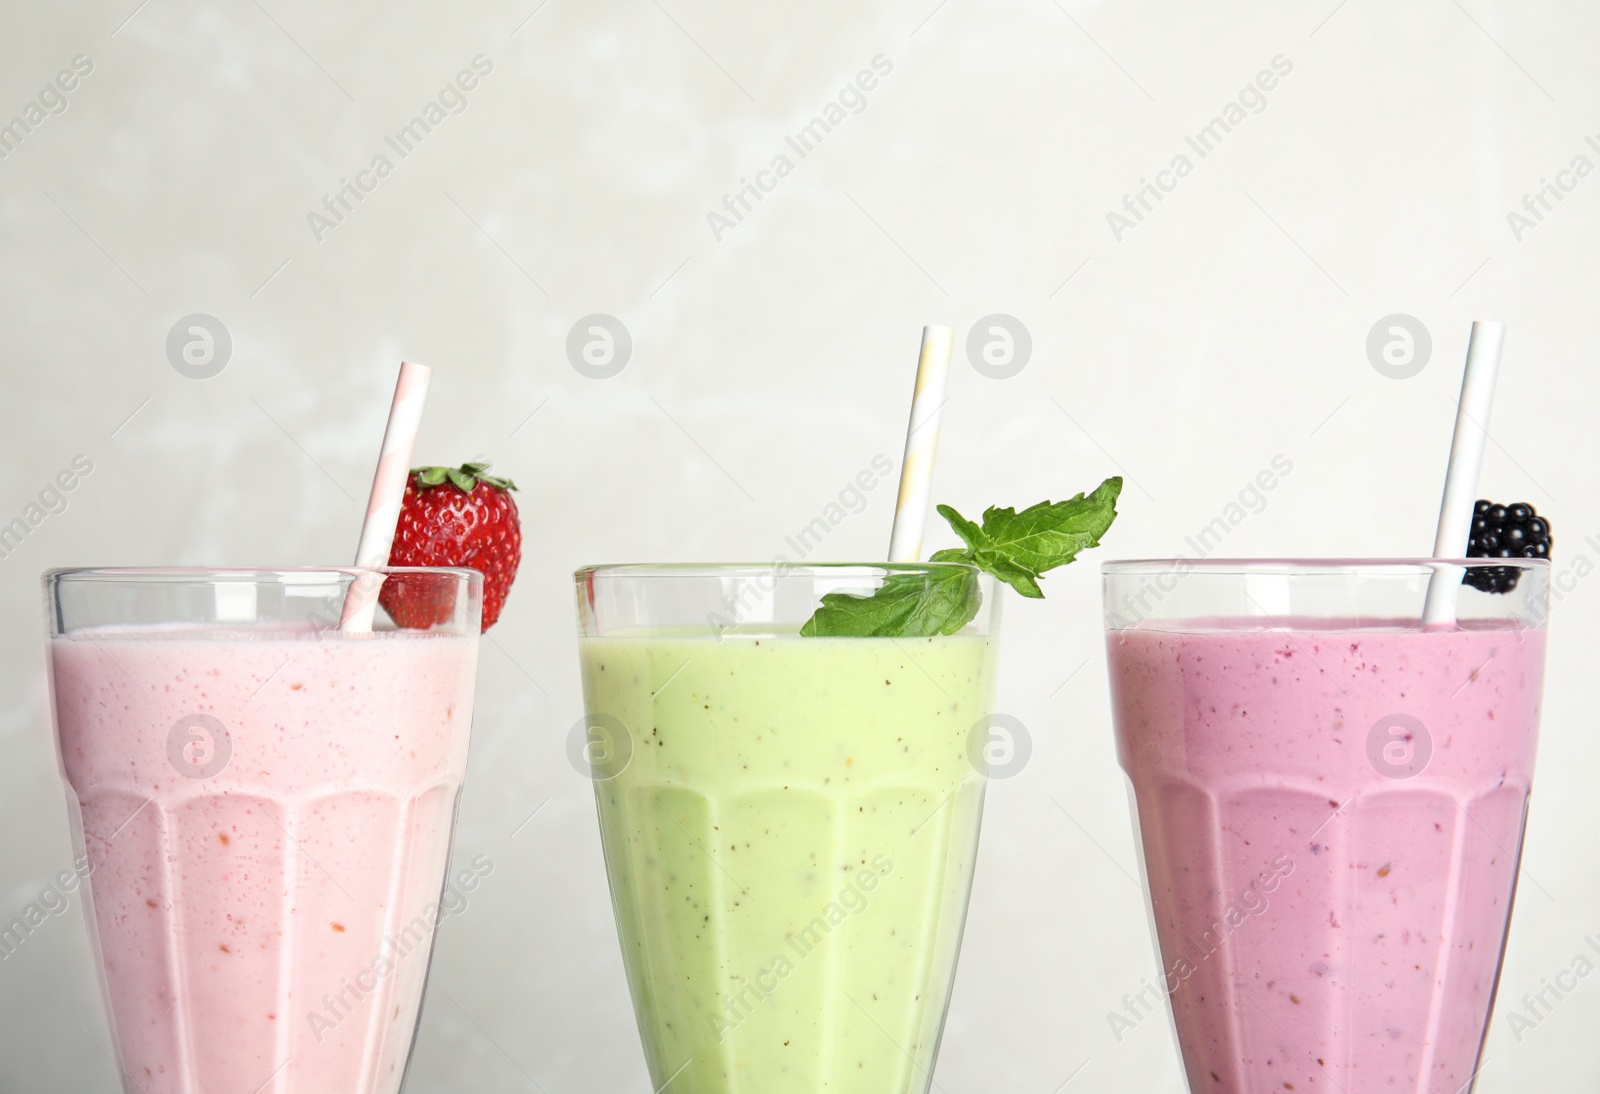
{"x": 1504, "y": 531}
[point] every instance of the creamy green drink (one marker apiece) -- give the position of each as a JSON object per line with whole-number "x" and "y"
{"x": 789, "y": 765}
{"x": 790, "y": 847}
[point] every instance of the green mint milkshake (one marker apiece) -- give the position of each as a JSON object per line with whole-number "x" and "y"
{"x": 789, "y": 765}
{"x": 789, "y": 827}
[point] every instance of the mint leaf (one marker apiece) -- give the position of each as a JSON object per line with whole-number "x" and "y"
{"x": 1015, "y": 547}
{"x": 906, "y": 604}
{"x": 970, "y": 534}
{"x": 1018, "y": 547}
{"x": 1019, "y": 577}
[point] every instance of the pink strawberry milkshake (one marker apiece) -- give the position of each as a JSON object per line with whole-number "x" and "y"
{"x": 267, "y": 816}
{"x": 1332, "y": 817}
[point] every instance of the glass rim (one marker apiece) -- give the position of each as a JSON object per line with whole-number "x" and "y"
{"x": 742, "y": 569}
{"x": 156, "y": 574}
{"x": 1309, "y": 565}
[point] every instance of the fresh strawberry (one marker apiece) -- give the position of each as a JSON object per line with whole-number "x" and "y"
{"x": 453, "y": 517}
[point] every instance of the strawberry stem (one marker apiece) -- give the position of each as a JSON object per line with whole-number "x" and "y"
{"x": 464, "y": 478}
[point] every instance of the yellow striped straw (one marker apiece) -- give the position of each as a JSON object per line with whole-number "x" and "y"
{"x": 922, "y": 444}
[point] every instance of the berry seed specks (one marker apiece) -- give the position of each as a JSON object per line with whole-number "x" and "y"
{"x": 453, "y": 517}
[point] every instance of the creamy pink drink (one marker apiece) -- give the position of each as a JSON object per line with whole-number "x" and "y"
{"x": 267, "y": 813}
{"x": 1332, "y": 814}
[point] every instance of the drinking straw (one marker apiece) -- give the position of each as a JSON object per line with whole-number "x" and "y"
{"x": 1466, "y": 461}
{"x": 922, "y": 444}
{"x": 388, "y": 491}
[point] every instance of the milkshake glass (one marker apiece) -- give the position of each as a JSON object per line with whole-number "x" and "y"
{"x": 789, "y": 822}
{"x": 1331, "y": 800}
{"x": 265, "y": 804}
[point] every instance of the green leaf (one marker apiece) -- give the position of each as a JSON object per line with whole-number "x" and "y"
{"x": 970, "y": 533}
{"x": 907, "y": 604}
{"x": 1015, "y": 547}
{"x": 1047, "y": 535}
{"x": 464, "y": 478}
{"x": 1019, "y": 577}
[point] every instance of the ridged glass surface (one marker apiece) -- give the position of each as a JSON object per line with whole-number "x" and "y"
{"x": 264, "y": 926}
{"x": 1331, "y": 823}
{"x": 790, "y": 846}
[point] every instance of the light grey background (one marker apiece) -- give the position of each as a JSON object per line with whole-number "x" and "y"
{"x": 768, "y": 368}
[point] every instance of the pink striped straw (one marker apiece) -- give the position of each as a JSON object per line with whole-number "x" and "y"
{"x": 388, "y": 492}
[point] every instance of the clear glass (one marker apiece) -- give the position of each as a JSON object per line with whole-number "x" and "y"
{"x": 789, "y": 822}
{"x": 1331, "y": 799}
{"x": 262, "y": 808}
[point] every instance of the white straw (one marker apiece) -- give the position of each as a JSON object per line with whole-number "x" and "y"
{"x": 1466, "y": 461}
{"x": 922, "y": 444}
{"x": 388, "y": 492}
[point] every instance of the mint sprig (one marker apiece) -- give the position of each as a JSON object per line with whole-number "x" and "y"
{"x": 1015, "y": 547}
{"x": 1019, "y": 547}
{"x": 905, "y": 604}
